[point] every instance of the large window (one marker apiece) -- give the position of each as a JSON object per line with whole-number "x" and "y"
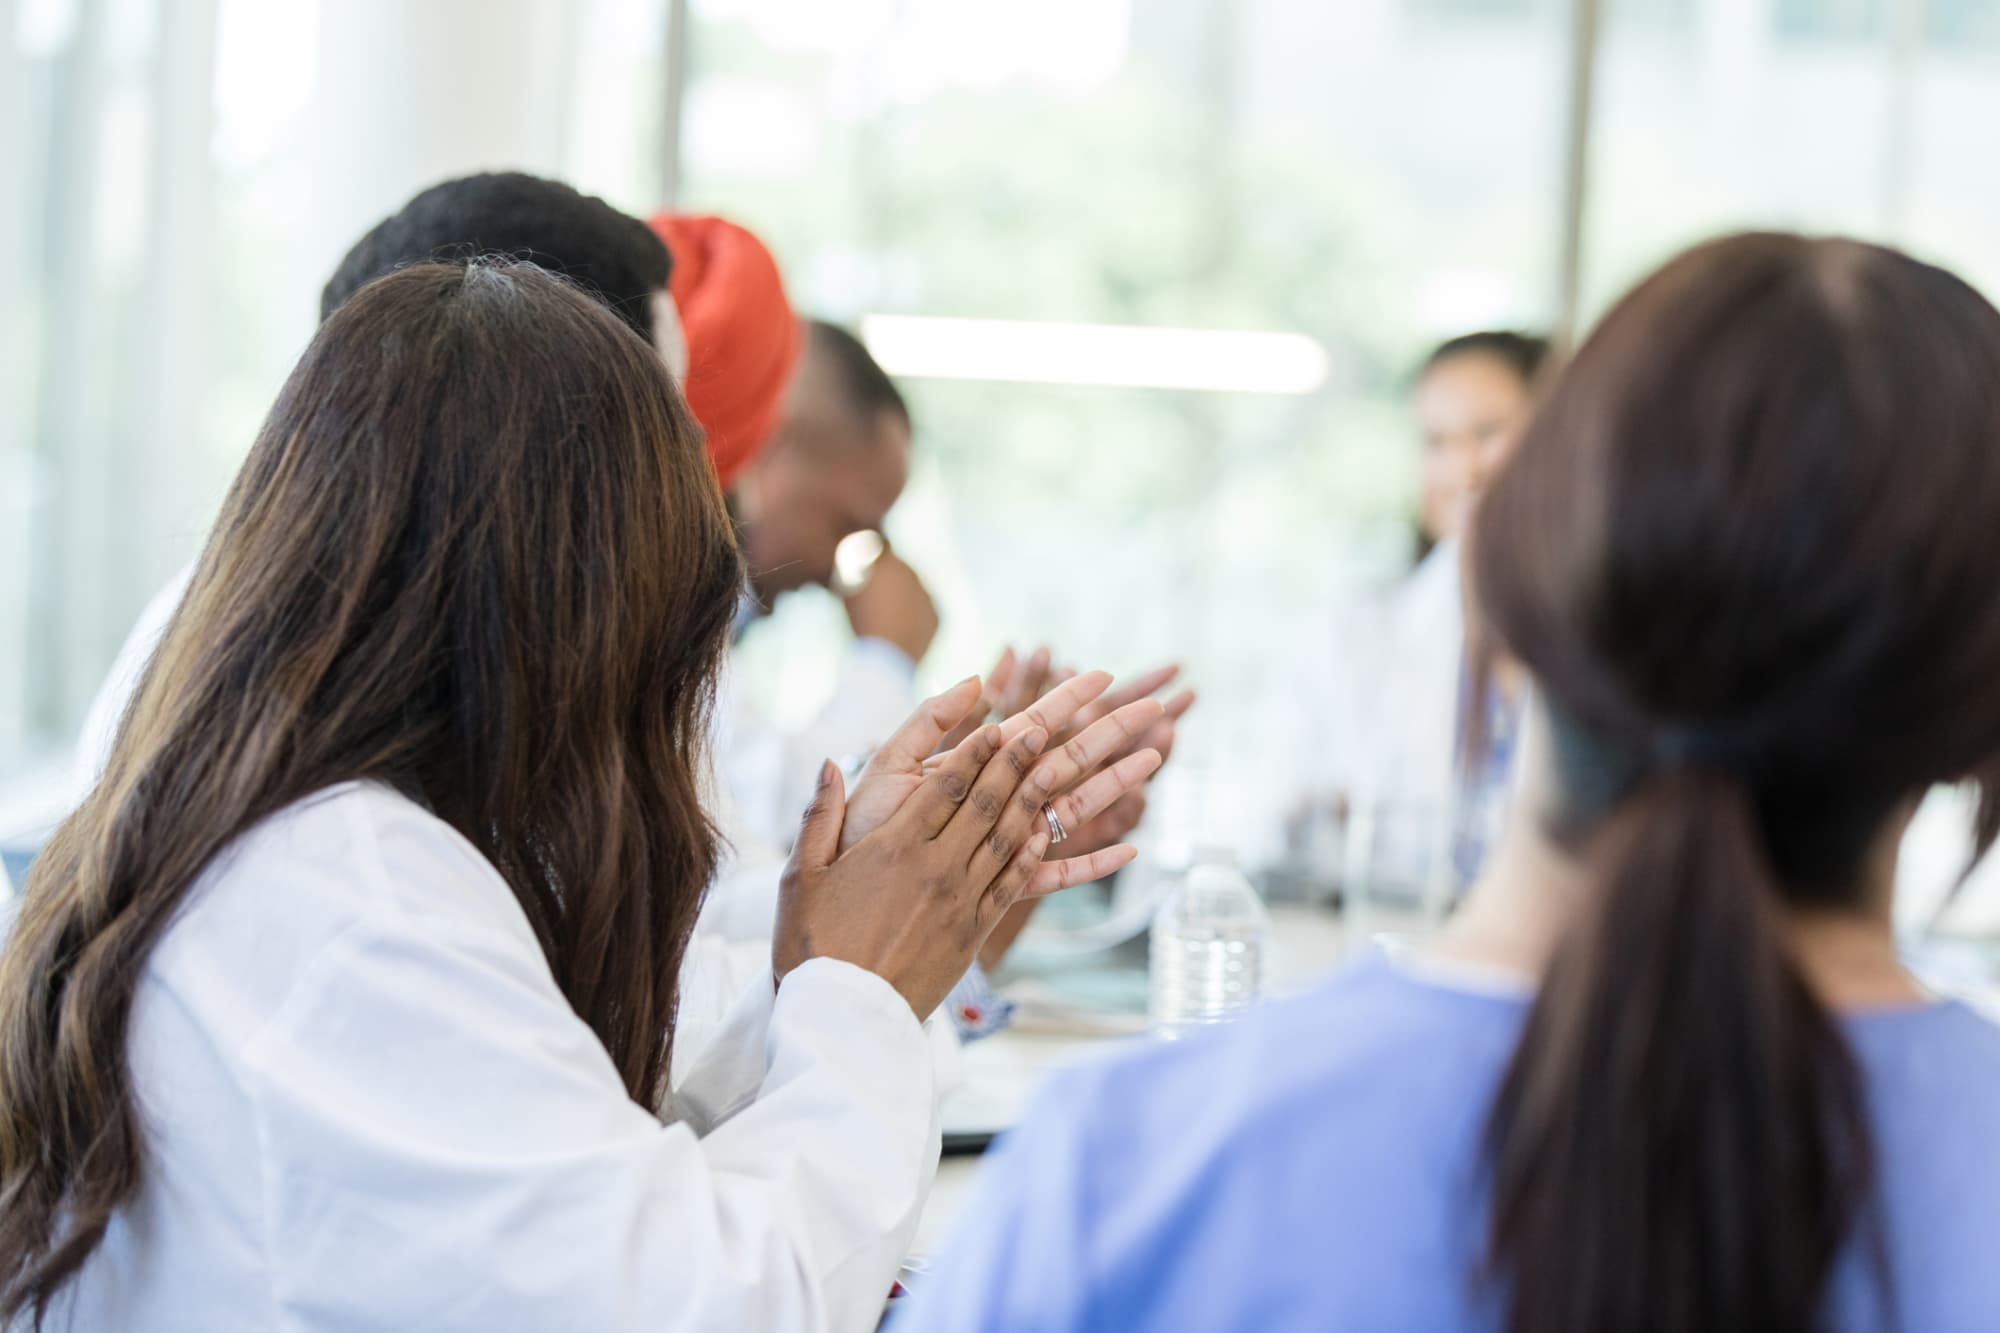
{"x": 1824, "y": 115}
{"x": 1345, "y": 182}
{"x": 1335, "y": 173}
{"x": 177, "y": 179}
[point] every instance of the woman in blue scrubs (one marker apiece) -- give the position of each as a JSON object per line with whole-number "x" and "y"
{"x": 1664, "y": 1070}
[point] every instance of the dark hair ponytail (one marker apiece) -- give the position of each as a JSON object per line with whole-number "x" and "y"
{"x": 1681, "y": 1141}
{"x": 1746, "y": 552}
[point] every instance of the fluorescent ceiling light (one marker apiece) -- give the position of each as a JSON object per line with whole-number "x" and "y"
{"x": 1122, "y": 355}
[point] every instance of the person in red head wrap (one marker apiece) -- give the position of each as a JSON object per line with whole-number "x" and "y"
{"x": 742, "y": 337}
{"x": 808, "y": 461}
{"x": 807, "y": 434}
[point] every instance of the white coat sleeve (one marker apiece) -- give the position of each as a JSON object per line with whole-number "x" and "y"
{"x": 121, "y": 682}
{"x": 720, "y": 1030}
{"x": 770, "y": 772}
{"x": 1308, "y": 718}
{"x": 445, "y": 1145}
{"x": 742, "y": 901}
{"x": 874, "y": 693}
{"x": 725, "y": 1016}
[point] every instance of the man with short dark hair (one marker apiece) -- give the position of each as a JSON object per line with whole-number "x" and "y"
{"x": 806, "y": 466}
{"x": 835, "y": 466}
{"x": 617, "y": 258}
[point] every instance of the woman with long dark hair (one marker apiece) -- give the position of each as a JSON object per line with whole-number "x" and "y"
{"x": 347, "y": 998}
{"x": 1664, "y": 1072}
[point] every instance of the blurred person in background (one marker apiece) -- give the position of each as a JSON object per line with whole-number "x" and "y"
{"x": 347, "y": 998}
{"x": 1665, "y": 1070}
{"x": 833, "y": 466}
{"x": 1473, "y": 396}
{"x": 1393, "y": 696}
{"x": 813, "y": 440}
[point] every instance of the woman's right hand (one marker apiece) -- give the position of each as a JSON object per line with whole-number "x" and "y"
{"x": 914, "y": 899}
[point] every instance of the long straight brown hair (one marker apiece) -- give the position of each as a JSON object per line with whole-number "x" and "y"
{"x": 477, "y": 554}
{"x": 1748, "y": 552}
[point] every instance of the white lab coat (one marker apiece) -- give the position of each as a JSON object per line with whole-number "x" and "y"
{"x": 767, "y": 775}
{"x": 1409, "y": 684}
{"x": 757, "y": 799}
{"x": 368, "y": 1106}
{"x": 770, "y": 772}
{"x": 107, "y": 706}
{"x": 1934, "y": 855}
{"x": 1364, "y": 704}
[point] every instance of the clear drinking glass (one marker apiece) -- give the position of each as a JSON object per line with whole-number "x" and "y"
{"x": 1398, "y": 883}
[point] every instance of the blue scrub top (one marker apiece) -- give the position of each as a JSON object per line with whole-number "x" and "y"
{"x": 1315, "y": 1166}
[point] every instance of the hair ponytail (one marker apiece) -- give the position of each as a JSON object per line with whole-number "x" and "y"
{"x": 1756, "y": 509}
{"x": 1681, "y": 1141}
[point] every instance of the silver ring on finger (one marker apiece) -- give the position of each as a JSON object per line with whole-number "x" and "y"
{"x": 1056, "y": 830}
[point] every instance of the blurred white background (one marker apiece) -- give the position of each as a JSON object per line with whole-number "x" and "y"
{"x": 178, "y": 177}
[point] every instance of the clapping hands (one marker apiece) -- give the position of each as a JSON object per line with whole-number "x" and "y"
{"x": 910, "y": 877}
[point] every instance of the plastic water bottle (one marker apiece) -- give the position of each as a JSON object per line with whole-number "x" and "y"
{"x": 1207, "y": 948}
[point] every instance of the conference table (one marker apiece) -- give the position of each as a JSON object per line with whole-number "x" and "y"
{"x": 1000, "y": 1073}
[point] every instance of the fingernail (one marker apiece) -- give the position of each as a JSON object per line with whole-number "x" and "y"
{"x": 826, "y": 771}
{"x": 1036, "y": 738}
